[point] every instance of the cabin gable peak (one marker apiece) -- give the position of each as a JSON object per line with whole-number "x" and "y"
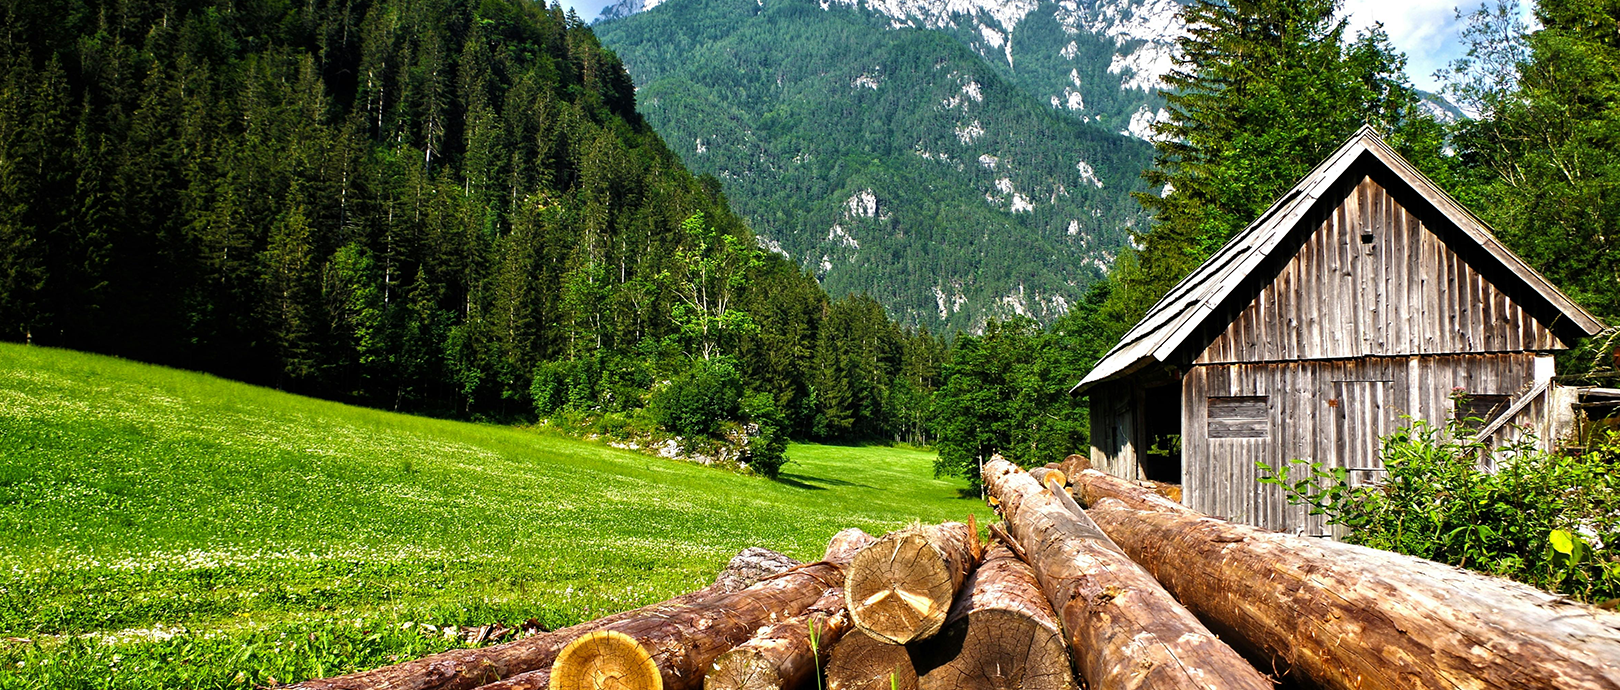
{"x": 1365, "y": 256}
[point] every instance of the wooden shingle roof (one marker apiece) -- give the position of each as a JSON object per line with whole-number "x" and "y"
{"x": 1180, "y": 313}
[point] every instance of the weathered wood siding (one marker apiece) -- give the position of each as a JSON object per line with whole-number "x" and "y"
{"x": 1405, "y": 292}
{"x": 1327, "y": 411}
{"x": 1116, "y": 430}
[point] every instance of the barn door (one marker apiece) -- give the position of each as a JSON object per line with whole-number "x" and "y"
{"x": 1364, "y": 416}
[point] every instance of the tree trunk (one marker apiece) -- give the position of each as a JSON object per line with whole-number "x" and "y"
{"x": 781, "y": 656}
{"x": 672, "y": 650}
{"x": 1126, "y": 632}
{"x": 1000, "y": 635}
{"x": 1345, "y": 616}
{"x": 901, "y": 588}
{"x": 1091, "y": 486}
{"x": 464, "y": 669}
{"x": 862, "y": 662}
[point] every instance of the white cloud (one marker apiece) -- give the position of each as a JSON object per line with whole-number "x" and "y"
{"x": 1428, "y": 31}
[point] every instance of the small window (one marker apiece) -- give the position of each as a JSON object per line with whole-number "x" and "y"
{"x": 1238, "y": 417}
{"x": 1474, "y": 411}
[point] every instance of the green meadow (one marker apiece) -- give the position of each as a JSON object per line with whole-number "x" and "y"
{"x": 162, "y": 528}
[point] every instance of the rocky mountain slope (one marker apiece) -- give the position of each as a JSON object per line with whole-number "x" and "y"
{"x": 1098, "y": 60}
{"x": 895, "y": 159}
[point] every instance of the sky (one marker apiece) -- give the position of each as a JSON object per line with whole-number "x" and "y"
{"x": 1428, "y": 31}
{"x": 587, "y": 9}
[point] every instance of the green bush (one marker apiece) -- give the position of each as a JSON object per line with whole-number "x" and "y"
{"x": 1550, "y": 520}
{"x": 611, "y": 383}
{"x": 698, "y": 401}
{"x": 767, "y": 452}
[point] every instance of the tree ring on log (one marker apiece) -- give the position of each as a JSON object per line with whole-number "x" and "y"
{"x": 998, "y": 649}
{"x": 745, "y": 669}
{"x": 605, "y": 660}
{"x": 862, "y": 662}
{"x": 900, "y": 588}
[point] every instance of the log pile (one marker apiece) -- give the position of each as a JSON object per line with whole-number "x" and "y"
{"x": 1133, "y": 590}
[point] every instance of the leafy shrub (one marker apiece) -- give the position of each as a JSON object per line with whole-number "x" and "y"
{"x": 767, "y": 452}
{"x": 1550, "y": 520}
{"x": 698, "y": 401}
{"x": 599, "y": 382}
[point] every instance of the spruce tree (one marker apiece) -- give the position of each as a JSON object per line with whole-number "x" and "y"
{"x": 1262, "y": 91}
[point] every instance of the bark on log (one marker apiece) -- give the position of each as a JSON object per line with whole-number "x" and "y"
{"x": 782, "y": 656}
{"x": 1074, "y": 464}
{"x": 464, "y": 669}
{"x": 1001, "y": 634}
{"x": 1345, "y": 616}
{"x": 1125, "y": 631}
{"x": 901, "y": 588}
{"x": 673, "y": 649}
{"x": 862, "y": 662}
{"x": 1091, "y": 486}
{"x": 1045, "y": 474}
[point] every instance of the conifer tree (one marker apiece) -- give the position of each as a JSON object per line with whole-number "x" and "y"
{"x": 1546, "y": 143}
{"x": 1262, "y": 91}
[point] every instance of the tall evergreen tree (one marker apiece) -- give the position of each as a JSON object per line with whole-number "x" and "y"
{"x": 1262, "y": 91}
{"x": 1546, "y": 143}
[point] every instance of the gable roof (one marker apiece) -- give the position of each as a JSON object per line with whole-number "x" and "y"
{"x": 1177, "y": 315}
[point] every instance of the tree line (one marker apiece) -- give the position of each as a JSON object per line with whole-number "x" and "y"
{"x": 436, "y": 206}
{"x": 452, "y": 207}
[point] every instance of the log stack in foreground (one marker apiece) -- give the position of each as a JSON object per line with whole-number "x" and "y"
{"x": 1001, "y": 634}
{"x": 672, "y": 650}
{"x": 1345, "y": 616}
{"x": 465, "y": 669}
{"x": 902, "y": 587}
{"x": 781, "y": 656}
{"x": 863, "y": 662}
{"x": 1125, "y": 631}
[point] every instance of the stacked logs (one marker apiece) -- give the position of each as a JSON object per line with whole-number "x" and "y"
{"x": 1132, "y": 591}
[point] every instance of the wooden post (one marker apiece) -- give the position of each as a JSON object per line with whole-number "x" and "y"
{"x": 1125, "y": 631}
{"x": 901, "y": 588}
{"x": 1342, "y": 616}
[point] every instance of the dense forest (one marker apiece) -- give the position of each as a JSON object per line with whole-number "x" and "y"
{"x": 895, "y": 162}
{"x": 412, "y": 204}
{"x": 453, "y": 207}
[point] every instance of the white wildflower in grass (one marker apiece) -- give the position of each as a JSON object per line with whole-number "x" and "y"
{"x": 164, "y": 523}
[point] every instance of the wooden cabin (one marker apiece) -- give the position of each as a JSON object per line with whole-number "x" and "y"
{"x": 1362, "y": 297}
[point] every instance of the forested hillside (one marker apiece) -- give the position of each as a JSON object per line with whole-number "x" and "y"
{"x": 890, "y": 161}
{"x": 413, "y": 204}
{"x": 1096, "y": 60}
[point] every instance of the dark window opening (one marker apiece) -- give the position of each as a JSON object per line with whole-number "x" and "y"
{"x": 1239, "y": 417}
{"x": 1475, "y": 411}
{"x": 1161, "y": 460}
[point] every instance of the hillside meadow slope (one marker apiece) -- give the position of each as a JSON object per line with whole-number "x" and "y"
{"x": 161, "y": 528}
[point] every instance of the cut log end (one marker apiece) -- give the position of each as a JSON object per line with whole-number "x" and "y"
{"x": 900, "y": 589}
{"x": 743, "y": 669}
{"x": 605, "y": 660}
{"x": 861, "y": 662}
{"x": 997, "y": 649}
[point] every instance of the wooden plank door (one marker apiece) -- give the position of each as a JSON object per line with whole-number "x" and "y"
{"x": 1365, "y": 414}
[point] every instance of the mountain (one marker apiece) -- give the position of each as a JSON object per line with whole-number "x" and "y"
{"x": 1098, "y": 60}
{"x": 888, "y": 157}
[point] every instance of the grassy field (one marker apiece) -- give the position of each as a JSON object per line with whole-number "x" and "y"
{"x": 161, "y": 528}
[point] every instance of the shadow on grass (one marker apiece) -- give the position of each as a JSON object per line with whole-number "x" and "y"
{"x": 800, "y": 481}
